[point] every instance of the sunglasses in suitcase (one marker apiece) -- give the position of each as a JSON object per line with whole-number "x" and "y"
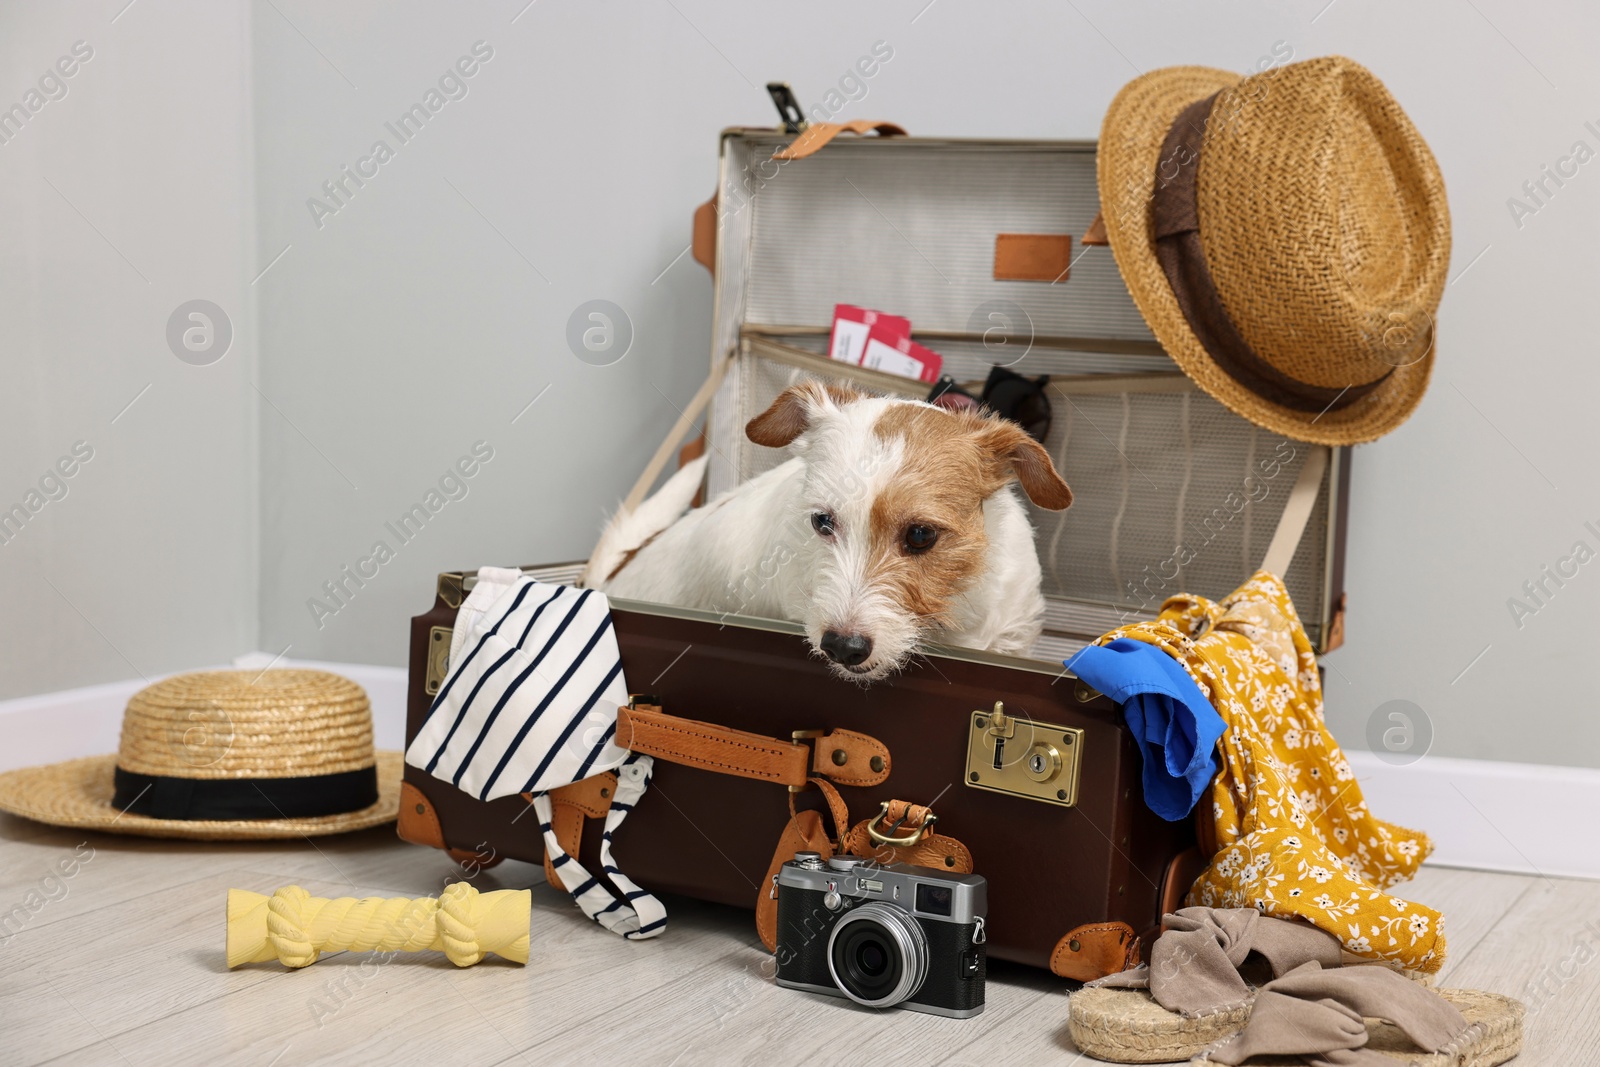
{"x": 1009, "y": 767}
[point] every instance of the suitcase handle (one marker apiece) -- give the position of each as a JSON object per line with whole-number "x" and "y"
{"x": 818, "y": 134}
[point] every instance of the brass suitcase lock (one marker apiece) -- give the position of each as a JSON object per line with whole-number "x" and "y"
{"x": 1023, "y": 757}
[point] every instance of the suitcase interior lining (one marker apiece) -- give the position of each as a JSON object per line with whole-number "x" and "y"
{"x": 910, "y": 227}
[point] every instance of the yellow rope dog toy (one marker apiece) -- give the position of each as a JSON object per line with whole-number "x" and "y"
{"x": 295, "y": 927}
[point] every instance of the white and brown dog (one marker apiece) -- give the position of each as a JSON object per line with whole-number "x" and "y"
{"x": 894, "y": 523}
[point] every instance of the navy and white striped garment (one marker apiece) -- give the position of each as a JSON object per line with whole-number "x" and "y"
{"x": 636, "y": 914}
{"x": 529, "y": 705}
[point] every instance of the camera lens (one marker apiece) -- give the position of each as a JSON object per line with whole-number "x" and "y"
{"x": 878, "y": 955}
{"x": 870, "y": 959}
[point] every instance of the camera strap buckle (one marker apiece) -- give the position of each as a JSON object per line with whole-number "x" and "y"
{"x": 979, "y": 935}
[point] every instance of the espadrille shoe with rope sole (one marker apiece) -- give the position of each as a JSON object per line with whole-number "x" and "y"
{"x": 1128, "y": 1026}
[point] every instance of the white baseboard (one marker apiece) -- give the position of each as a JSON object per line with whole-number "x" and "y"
{"x": 67, "y": 724}
{"x": 1482, "y": 814}
{"x": 1491, "y": 816}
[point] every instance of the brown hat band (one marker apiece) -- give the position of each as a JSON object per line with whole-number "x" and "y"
{"x": 1175, "y": 213}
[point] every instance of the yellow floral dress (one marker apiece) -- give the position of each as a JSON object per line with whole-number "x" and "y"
{"x": 1293, "y": 834}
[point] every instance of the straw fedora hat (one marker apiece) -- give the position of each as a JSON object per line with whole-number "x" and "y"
{"x": 1286, "y": 237}
{"x": 225, "y": 755}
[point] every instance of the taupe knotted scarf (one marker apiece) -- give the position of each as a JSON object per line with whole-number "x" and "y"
{"x": 1312, "y": 1008}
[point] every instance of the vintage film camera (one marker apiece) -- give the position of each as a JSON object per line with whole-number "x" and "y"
{"x": 882, "y": 935}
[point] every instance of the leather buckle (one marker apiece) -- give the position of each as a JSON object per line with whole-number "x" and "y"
{"x": 905, "y": 841}
{"x": 799, "y": 736}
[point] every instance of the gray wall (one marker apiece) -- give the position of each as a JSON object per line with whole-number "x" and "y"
{"x": 427, "y": 312}
{"x": 123, "y": 199}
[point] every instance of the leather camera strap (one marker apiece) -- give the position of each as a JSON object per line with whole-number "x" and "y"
{"x": 836, "y": 807}
{"x": 842, "y": 756}
{"x": 805, "y": 832}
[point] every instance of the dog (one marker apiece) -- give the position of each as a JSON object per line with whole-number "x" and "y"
{"x": 894, "y": 523}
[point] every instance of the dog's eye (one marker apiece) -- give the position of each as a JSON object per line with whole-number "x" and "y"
{"x": 920, "y": 538}
{"x": 822, "y": 522}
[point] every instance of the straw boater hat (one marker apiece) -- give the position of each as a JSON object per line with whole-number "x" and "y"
{"x": 225, "y": 755}
{"x": 1286, "y": 237}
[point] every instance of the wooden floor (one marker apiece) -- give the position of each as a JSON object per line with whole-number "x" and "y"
{"x": 123, "y": 964}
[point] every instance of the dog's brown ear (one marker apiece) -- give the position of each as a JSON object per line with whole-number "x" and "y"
{"x": 790, "y": 415}
{"x": 1028, "y": 460}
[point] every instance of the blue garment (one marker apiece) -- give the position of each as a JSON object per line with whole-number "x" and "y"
{"x": 1173, "y": 723}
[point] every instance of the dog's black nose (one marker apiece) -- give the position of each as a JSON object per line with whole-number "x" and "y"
{"x": 847, "y": 650}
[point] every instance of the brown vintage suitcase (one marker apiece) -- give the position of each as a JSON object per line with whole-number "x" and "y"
{"x": 1173, "y": 491}
{"x": 1052, "y": 867}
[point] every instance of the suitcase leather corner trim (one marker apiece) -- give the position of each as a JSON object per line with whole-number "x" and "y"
{"x": 418, "y": 822}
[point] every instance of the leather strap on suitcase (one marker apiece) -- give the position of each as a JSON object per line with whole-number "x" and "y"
{"x": 842, "y": 756}
{"x": 900, "y": 833}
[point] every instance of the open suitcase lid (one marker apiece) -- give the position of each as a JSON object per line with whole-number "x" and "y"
{"x": 1174, "y": 492}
